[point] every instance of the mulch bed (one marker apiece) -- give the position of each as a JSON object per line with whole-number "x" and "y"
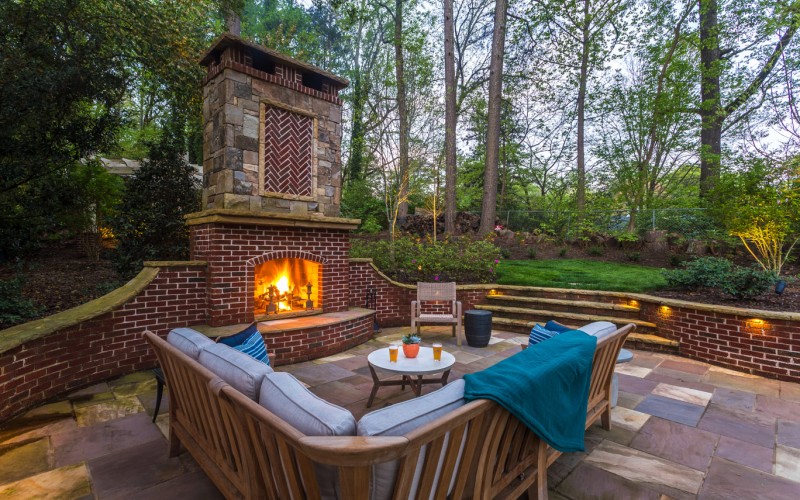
{"x": 788, "y": 301}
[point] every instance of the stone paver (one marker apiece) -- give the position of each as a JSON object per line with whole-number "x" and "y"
{"x": 682, "y": 430}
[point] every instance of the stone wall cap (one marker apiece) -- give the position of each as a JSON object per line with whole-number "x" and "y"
{"x": 263, "y": 218}
{"x": 227, "y": 40}
{"x": 170, "y": 263}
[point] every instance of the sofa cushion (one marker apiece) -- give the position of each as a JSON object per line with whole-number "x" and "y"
{"x": 599, "y": 329}
{"x": 236, "y": 368}
{"x": 540, "y": 334}
{"x": 284, "y": 395}
{"x": 189, "y": 341}
{"x": 399, "y": 419}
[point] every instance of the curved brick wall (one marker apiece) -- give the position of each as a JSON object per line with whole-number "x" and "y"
{"x": 759, "y": 342}
{"x": 98, "y": 340}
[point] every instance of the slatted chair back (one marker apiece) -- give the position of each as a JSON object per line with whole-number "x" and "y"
{"x": 436, "y": 459}
{"x": 198, "y": 420}
{"x": 436, "y": 292}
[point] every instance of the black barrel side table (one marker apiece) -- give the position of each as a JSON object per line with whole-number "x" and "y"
{"x": 478, "y": 327}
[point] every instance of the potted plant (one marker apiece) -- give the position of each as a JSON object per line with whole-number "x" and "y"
{"x": 411, "y": 345}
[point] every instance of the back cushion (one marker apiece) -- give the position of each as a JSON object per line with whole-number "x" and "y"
{"x": 399, "y": 419}
{"x": 599, "y": 329}
{"x": 188, "y": 341}
{"x": 284, "y": 395}
{"x": 236, "y": 368}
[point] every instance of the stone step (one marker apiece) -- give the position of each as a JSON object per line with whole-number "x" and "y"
{"x": 635, "y": 340}
{"x": 583, "y": 306}
{"x": 533, "y": 316}
{"x": 562, "y": 294}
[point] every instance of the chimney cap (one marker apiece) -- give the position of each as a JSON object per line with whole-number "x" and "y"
{"x": 228, "y": 40}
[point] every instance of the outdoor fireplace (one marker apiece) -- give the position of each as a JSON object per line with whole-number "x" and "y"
{"x": 288, "y": 287}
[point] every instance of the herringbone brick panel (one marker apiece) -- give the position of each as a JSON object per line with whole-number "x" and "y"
{"x": 287, "y": 152}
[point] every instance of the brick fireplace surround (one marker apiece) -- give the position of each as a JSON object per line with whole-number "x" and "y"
{"x": 272, "y": 192}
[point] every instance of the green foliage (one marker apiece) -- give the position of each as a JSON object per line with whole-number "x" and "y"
{"x": 410, "y": 260}
{"x": 14, "y": 307}
{"x": 633, "y": 256}
{"x": 358, "y": 202}
{"x": 149, "y": 224}
{"x": 532, "y": 253}
{"x": 748, "y": 282}
{"x": 411, "y": 338}
{"x": 761, "y": 205}
{"x": 562, "y": 252}
{"x": 505, "y": 252}
{"x": 583, "y": 274}
{"x": 703, "y": 272}
{"x": 595, "y": 251}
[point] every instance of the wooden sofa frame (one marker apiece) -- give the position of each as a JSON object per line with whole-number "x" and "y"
{"x": 248, "y": 452}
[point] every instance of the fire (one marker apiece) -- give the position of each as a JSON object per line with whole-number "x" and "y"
{"x": 287, "y": 285}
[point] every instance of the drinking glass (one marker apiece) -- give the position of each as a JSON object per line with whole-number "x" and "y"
{"x": 437, "y": 352}
{"x": 393, "y": 353}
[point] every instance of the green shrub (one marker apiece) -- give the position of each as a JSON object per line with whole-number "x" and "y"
{"x": 633, "y": 256}
{"x": 706, "y": 271}
{"x": 532, "y": 253}
{"x": 505, "y": 252}
{"x": 595, "y": 251}
{"x": 410, "y": 259}
{"x": 748, "y": 282}
{"x": 676, "y": 260}
{"x": 562, "y": 252}
{"x": 14, "y": 307}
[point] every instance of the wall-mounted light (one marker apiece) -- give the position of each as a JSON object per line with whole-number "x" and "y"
{"x": 633, "y": 303}
{"x": 756, "y": 325}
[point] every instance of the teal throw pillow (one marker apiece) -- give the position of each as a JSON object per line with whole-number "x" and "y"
{"x": 540, "y": 334}
{"x": 555, "y": 326}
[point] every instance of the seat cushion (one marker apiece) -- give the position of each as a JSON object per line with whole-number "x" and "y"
{"x": 236, "y": 368}
{"x": 399, "y": 419}
{"x": 437, "y": 317}
{"x": 284, "y": 395}
{"x": 189, "y": 341}
{"x": 599, "y": 329}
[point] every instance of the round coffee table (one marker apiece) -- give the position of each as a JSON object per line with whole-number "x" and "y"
{"x": 409, "y": 368}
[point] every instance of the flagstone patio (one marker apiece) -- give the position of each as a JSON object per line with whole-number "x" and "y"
{"x": 683, "y": 429}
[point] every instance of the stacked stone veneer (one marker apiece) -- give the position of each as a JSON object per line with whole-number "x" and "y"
{"x": 232, "y": 252}
{"x": 272, "y": 132}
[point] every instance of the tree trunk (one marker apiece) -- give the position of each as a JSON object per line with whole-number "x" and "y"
{"x": 402, "y": 108}
{"x": 580, "y": 194}
{"x": 489, "y": 209}
{"x": 450, "y": 120}
{"x": 712, "y": 114}
{"x": 354, "y": 170}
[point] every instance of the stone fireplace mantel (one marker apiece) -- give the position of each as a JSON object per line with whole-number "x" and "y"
{"x": 253, "y": 218}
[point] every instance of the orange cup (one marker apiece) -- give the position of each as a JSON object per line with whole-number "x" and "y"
{"x": 393, "y": 353}
{"x": 437, "y": 352}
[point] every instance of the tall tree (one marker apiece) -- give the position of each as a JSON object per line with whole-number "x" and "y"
{"x": 716, "y": 58}
{"x": 450, "y": 120}
{"x": 489, "y": 207}
{"x": 402, "y": 107}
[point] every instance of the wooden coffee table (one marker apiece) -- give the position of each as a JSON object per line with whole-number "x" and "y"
{"x": 412, "y": 370}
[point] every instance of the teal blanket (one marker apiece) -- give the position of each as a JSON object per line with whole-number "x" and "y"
{"x": 545, "y": 386}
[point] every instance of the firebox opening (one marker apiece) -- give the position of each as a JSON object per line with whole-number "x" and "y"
{"x": 287, "y": 287}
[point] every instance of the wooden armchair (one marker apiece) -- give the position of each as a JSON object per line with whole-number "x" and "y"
{"x": 437, "y": 314}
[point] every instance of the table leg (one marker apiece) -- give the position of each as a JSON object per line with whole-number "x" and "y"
{"x": 375, "y": 385}
{"x": 444, "y": 377}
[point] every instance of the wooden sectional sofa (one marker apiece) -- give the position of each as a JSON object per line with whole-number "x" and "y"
{"x": 436, "y": 446}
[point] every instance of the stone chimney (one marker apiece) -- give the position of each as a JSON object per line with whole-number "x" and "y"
{"x": 272, "y": 132}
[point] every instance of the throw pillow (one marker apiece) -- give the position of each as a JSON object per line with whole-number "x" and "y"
{"x": 540, "y": 334}
{"x": 250, "y": 342}
{"x": 555, "y": 326}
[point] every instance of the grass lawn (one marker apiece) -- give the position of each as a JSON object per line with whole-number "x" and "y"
{"x": 577, "y": 273}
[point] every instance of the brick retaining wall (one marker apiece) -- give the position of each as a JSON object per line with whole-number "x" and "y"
{"x": 105, "y": 345}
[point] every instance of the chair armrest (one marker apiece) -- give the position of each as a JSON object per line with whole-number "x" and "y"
{"x": 457, "y": 307}
{"x": 271, "y": 356}
{"x": 415, "y": 308}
